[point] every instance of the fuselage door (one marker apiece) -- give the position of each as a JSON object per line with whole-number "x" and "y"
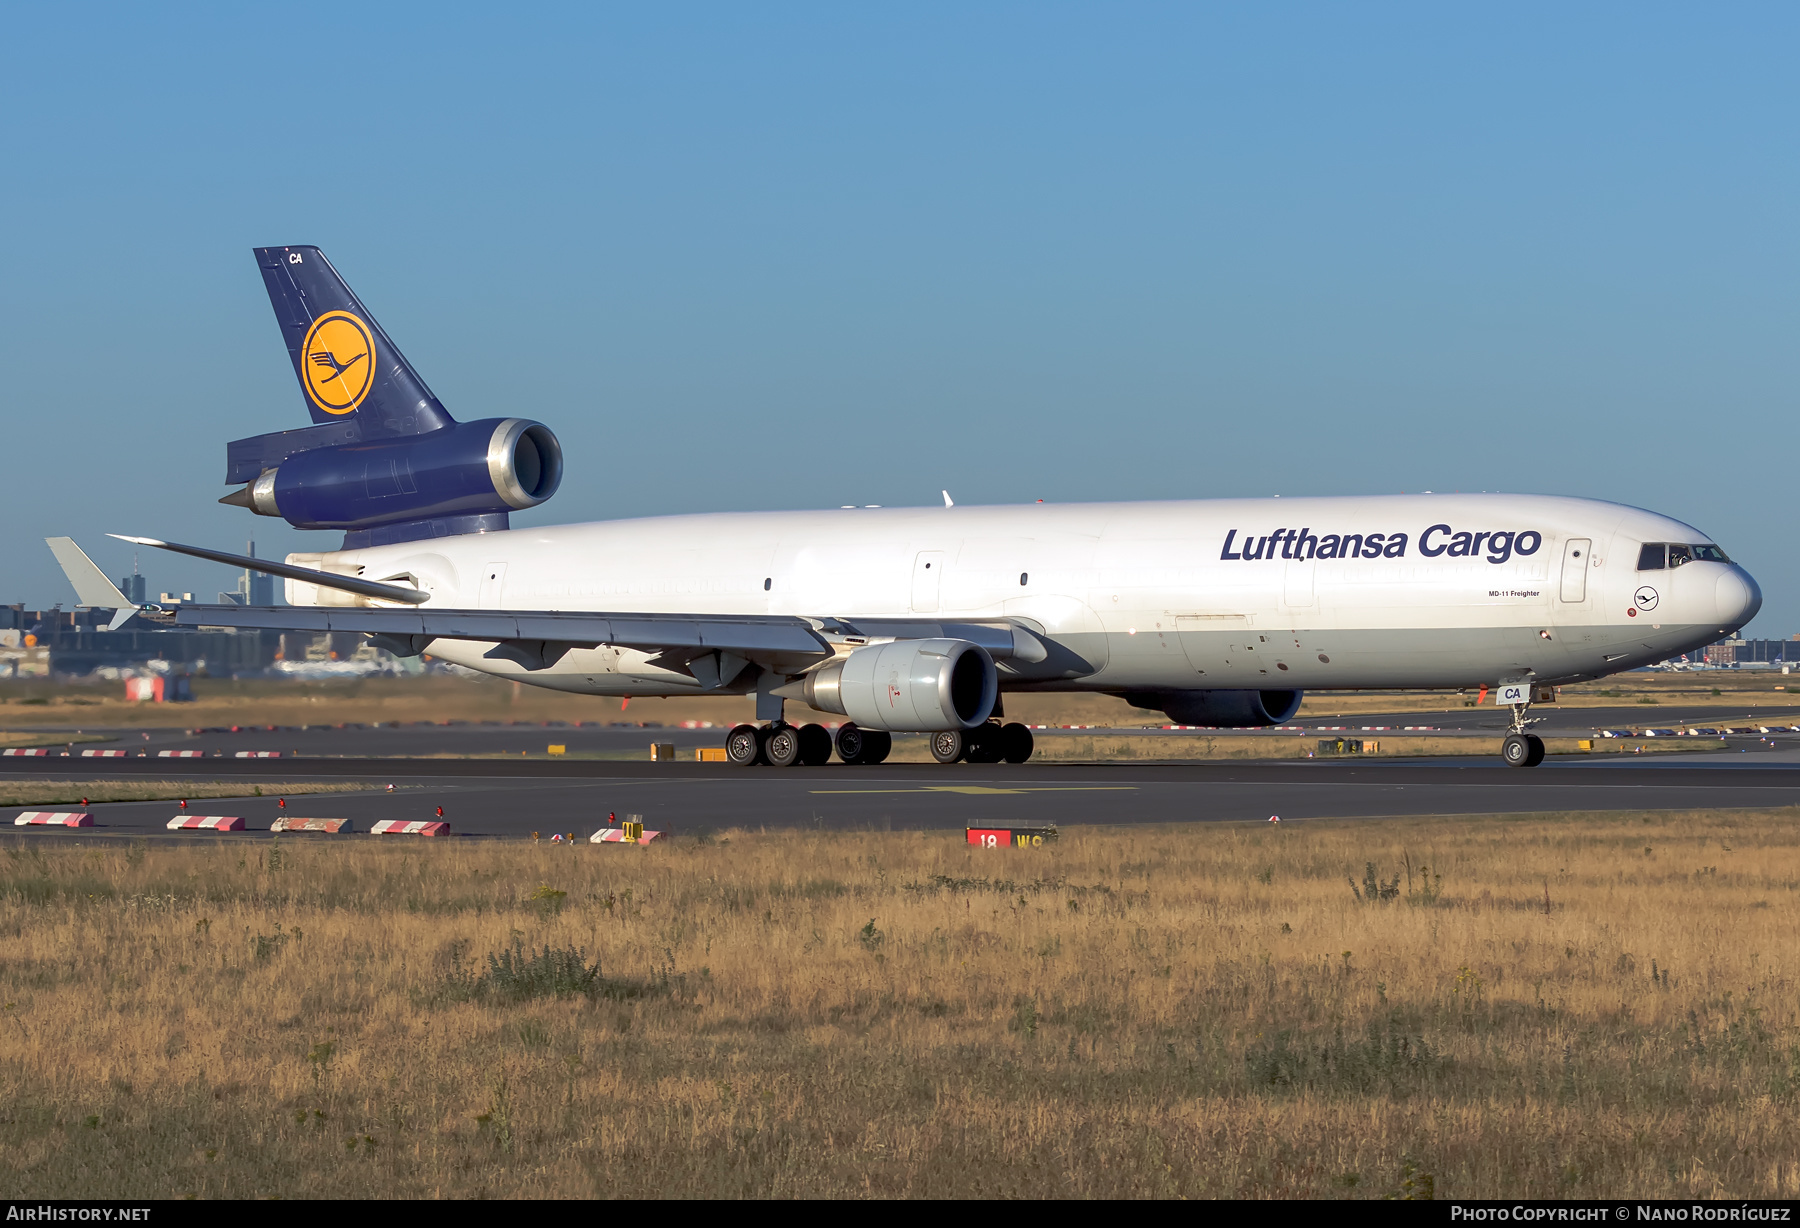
{"x": 1575, "y": 568}
{"x": 928, "y": 575}
{"x": 493, "y": 582}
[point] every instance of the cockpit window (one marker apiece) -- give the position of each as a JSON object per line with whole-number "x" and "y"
{"x": 1655, "y": 556}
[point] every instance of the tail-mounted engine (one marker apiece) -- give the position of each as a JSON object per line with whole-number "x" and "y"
{"x": 464, "y": 477}
{"x": 384, "y": 460}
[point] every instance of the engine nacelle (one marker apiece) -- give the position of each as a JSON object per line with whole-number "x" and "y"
{"x": 495, "y": 465}
{"x": 908, "y": 686}
{"x": 1222, "y": 709}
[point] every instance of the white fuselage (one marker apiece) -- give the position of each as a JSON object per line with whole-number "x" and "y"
{"x": 1351, "y": 592}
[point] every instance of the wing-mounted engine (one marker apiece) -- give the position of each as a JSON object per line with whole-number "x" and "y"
{"x": 907, "y": 686}
{"x": 398, "y": 489}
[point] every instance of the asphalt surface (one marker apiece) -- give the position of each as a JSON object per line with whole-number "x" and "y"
{"x": 631, "y": 741}
{"x": 497, "y": 797}
{"x": 1558, "y": 719}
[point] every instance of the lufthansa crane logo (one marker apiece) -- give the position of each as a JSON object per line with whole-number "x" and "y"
{"x": 1645, "y": 598}
{"x": 338, "y": 362}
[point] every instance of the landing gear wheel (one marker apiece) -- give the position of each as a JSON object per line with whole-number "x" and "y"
{"x": 1016, "y": 743}
{"x": 862, "y": 745}
{"x": 1537, "y": 750}
{"x": 948, "y": 746}
{"x": 1516, "y": 751}
{"x": 781, "y": 746}
{"x": 743, "y": 745}
{"x": 982, "y": 744}
{"x": 815, "y": 745}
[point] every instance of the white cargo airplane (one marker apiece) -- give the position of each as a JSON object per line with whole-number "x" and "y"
{"x": 1215, "y": 612}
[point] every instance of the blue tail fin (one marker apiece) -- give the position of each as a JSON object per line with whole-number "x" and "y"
{"x": 348, "y": 369}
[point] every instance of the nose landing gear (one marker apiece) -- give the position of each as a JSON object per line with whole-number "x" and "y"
{"x": 1521, "y": 749}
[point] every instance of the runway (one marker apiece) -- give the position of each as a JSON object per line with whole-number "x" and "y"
{"x": 631, "y": 741}
{"x": 512, "y": 799}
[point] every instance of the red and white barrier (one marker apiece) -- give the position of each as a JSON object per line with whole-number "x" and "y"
{"x": 180, "y": 754}
{"x": 259, "y": 754}
{"x": 332, "y": 827}
{"x": 103, "y": 754}
{"x": 206, "y": 822}
{"x": 616, "y": 835}
{"x": 41, "y": 750}
{"x": 54, "y": 818}
{"x": 416, "y": 827}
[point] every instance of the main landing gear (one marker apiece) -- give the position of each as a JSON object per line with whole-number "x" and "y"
{"x": 1521, "y": 749}
{"x": 989, "y": 743}
{"x": 780, "y": 744}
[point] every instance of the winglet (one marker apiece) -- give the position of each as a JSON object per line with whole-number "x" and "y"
{"x": 92, "y": 588}
{"x": 948, "y": 501}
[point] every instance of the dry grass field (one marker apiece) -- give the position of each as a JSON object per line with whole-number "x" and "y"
{"x": 1579, "y": 1005}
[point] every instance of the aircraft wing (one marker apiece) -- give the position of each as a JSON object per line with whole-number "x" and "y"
{"x": 712, "y": 647}
{"x": 747, "y": 635}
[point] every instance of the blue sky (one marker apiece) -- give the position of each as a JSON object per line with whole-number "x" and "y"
{"x": 746, "y": 257}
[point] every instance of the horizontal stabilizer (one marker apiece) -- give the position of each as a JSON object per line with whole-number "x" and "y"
{"x": 246, "y": 459}
{"x": 325, "y": 579}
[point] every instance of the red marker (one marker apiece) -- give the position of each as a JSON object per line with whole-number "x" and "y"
{"x": 184, "y": 803}
{"x": 280, "y": 803}
{"x": 440, "y": 812}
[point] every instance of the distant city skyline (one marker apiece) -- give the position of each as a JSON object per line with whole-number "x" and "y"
{"x": 810, "y": 256}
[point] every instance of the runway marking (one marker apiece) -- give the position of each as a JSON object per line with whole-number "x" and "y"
{"x": 985, "y": 789}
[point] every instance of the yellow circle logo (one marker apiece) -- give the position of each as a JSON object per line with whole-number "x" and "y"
{"x": 339, "y": 361}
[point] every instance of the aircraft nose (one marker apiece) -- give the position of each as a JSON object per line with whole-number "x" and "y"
{"x": 1737, "y": 598}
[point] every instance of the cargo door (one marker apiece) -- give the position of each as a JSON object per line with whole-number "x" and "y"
{"x": 927, "y": 578}
{"x": 493, "y": 582}
{"x": 1575, "y": 568}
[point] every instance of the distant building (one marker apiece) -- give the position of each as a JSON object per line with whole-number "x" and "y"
{"x": 134, "y": 585}
{"x": 1754, "y": 652}
{"x": 77, "y": 642}
{"x": 253, "y": 587}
